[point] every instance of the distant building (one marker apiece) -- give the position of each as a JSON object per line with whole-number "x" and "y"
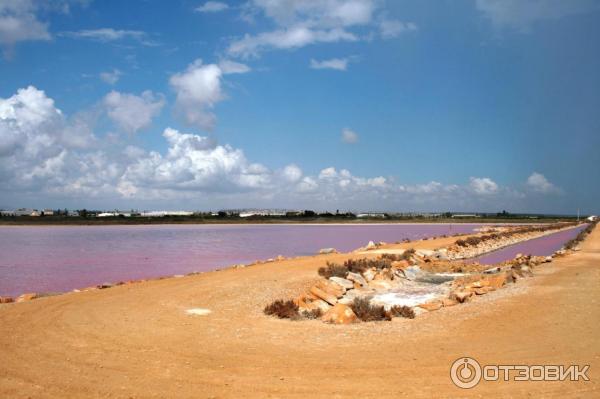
{"x": 48, "y": 212}
{"x": 35, "y": 213}
{"x": 592, "y": 218}
{"x": 266, "y": 212}
{"x": 165, "y": 213}
{"x": 24, "y": 212}
{"x": 465, "y": 215}
{"x": 7, "y": 213}
{"x": 73, "y": 213}
{"x": 113, "y": 214}
{"x": 371, "y": 215}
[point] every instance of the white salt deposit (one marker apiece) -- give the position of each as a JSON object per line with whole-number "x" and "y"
{"x": 403, "y": 299}
{"x": 198, "y": 311}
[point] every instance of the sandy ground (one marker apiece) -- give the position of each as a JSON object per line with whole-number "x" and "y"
{"x": 139, "y": 341}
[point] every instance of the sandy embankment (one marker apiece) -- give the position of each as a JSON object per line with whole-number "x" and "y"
{"x": 138, "y": 341}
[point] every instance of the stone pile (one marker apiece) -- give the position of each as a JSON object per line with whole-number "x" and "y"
{"x": 333, "y": 296}
{"x": 456, "y": 252}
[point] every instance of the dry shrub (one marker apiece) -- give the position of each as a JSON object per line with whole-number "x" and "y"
{"x": 283, "y": 309}
{"x": 360, "y": 265}
{"x": 367, "y": 312}
{"x": 312, "y": 314}
{"x": 402, "y": 311}
{"x": 406, "y": 255}
{"x": 333, "y": 270}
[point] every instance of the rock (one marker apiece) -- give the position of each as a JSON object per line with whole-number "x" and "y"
{"x": 412, "y": 272}
{"x": 400, "y": 264}
{"x": 385, "y": 274}
{"x": 432, "y": 278}
{"x": 198, "y": 311}
{"x": 280, "y": 257}
{"x": 448, "y": 302}
{"x": 480, "y": 291}
{"x": 350, "y": 295}
{"x": 357, "y": 278}
{"x": 319, "y": 304}
{"x": 492, "y": 270}
{"x": 461, "y": 296}
{"x": 526, "y": 271}
{"x": 331, "y": 288}
{"x": 347, "y": 284}
{"x": 370, "y": 245}
{"x": 477, "y": 284}
{"x": 319, "y": 293}
{"x": 27, "y": 297}
{"x": 548, "y": 259}
{"x": 425, "y": 252}
{"x": 301, "y": 302}
{"x": 496, "y": 281}
{"x": 517, "y": 256}
{"x": 327, "y": 251}
{"x": 340, "y": 314}
{"x": 380, "y": 285}
{"x": 431, "y": 306}
{"x": 6, "y": 299}
{"x": 345, "y": 301}
{"x": 369, "y": 274}
{"x": 104, "y": 285}
{"x": 419, "y": 311}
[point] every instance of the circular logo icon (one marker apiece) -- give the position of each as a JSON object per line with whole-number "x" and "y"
{"x": 465, "y": 372}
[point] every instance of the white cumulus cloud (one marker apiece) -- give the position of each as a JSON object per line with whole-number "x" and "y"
{"x": 18, "y": 23}
{"x": 198, "y": 90}
{"x": 131, "y": 112}
{"x": 46, "y": 154}
{"x": 538, "y": 182}
{"x": 483, "y": 185}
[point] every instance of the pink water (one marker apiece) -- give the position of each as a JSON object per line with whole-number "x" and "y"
{"x": 61, "y": 258}
{"x": 542, "y": 246}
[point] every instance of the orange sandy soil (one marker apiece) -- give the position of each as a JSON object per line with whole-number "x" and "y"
{"x": 137, "y": 341}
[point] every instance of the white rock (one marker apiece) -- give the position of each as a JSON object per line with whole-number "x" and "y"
{"x": 357, "y": 278}
{"x": 198, "y": 311}
{"x": 369, "y": 274}
{"x": 327, "y": 251}
{"x": 347, "y": 284}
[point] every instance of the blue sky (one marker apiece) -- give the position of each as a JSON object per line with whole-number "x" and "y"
{"x": 478, "y": 105}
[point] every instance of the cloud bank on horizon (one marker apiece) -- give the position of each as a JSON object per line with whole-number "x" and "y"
{"x": 155, "y": 133}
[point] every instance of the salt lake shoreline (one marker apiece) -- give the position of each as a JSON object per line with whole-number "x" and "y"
{"x": 358, "y": 251}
